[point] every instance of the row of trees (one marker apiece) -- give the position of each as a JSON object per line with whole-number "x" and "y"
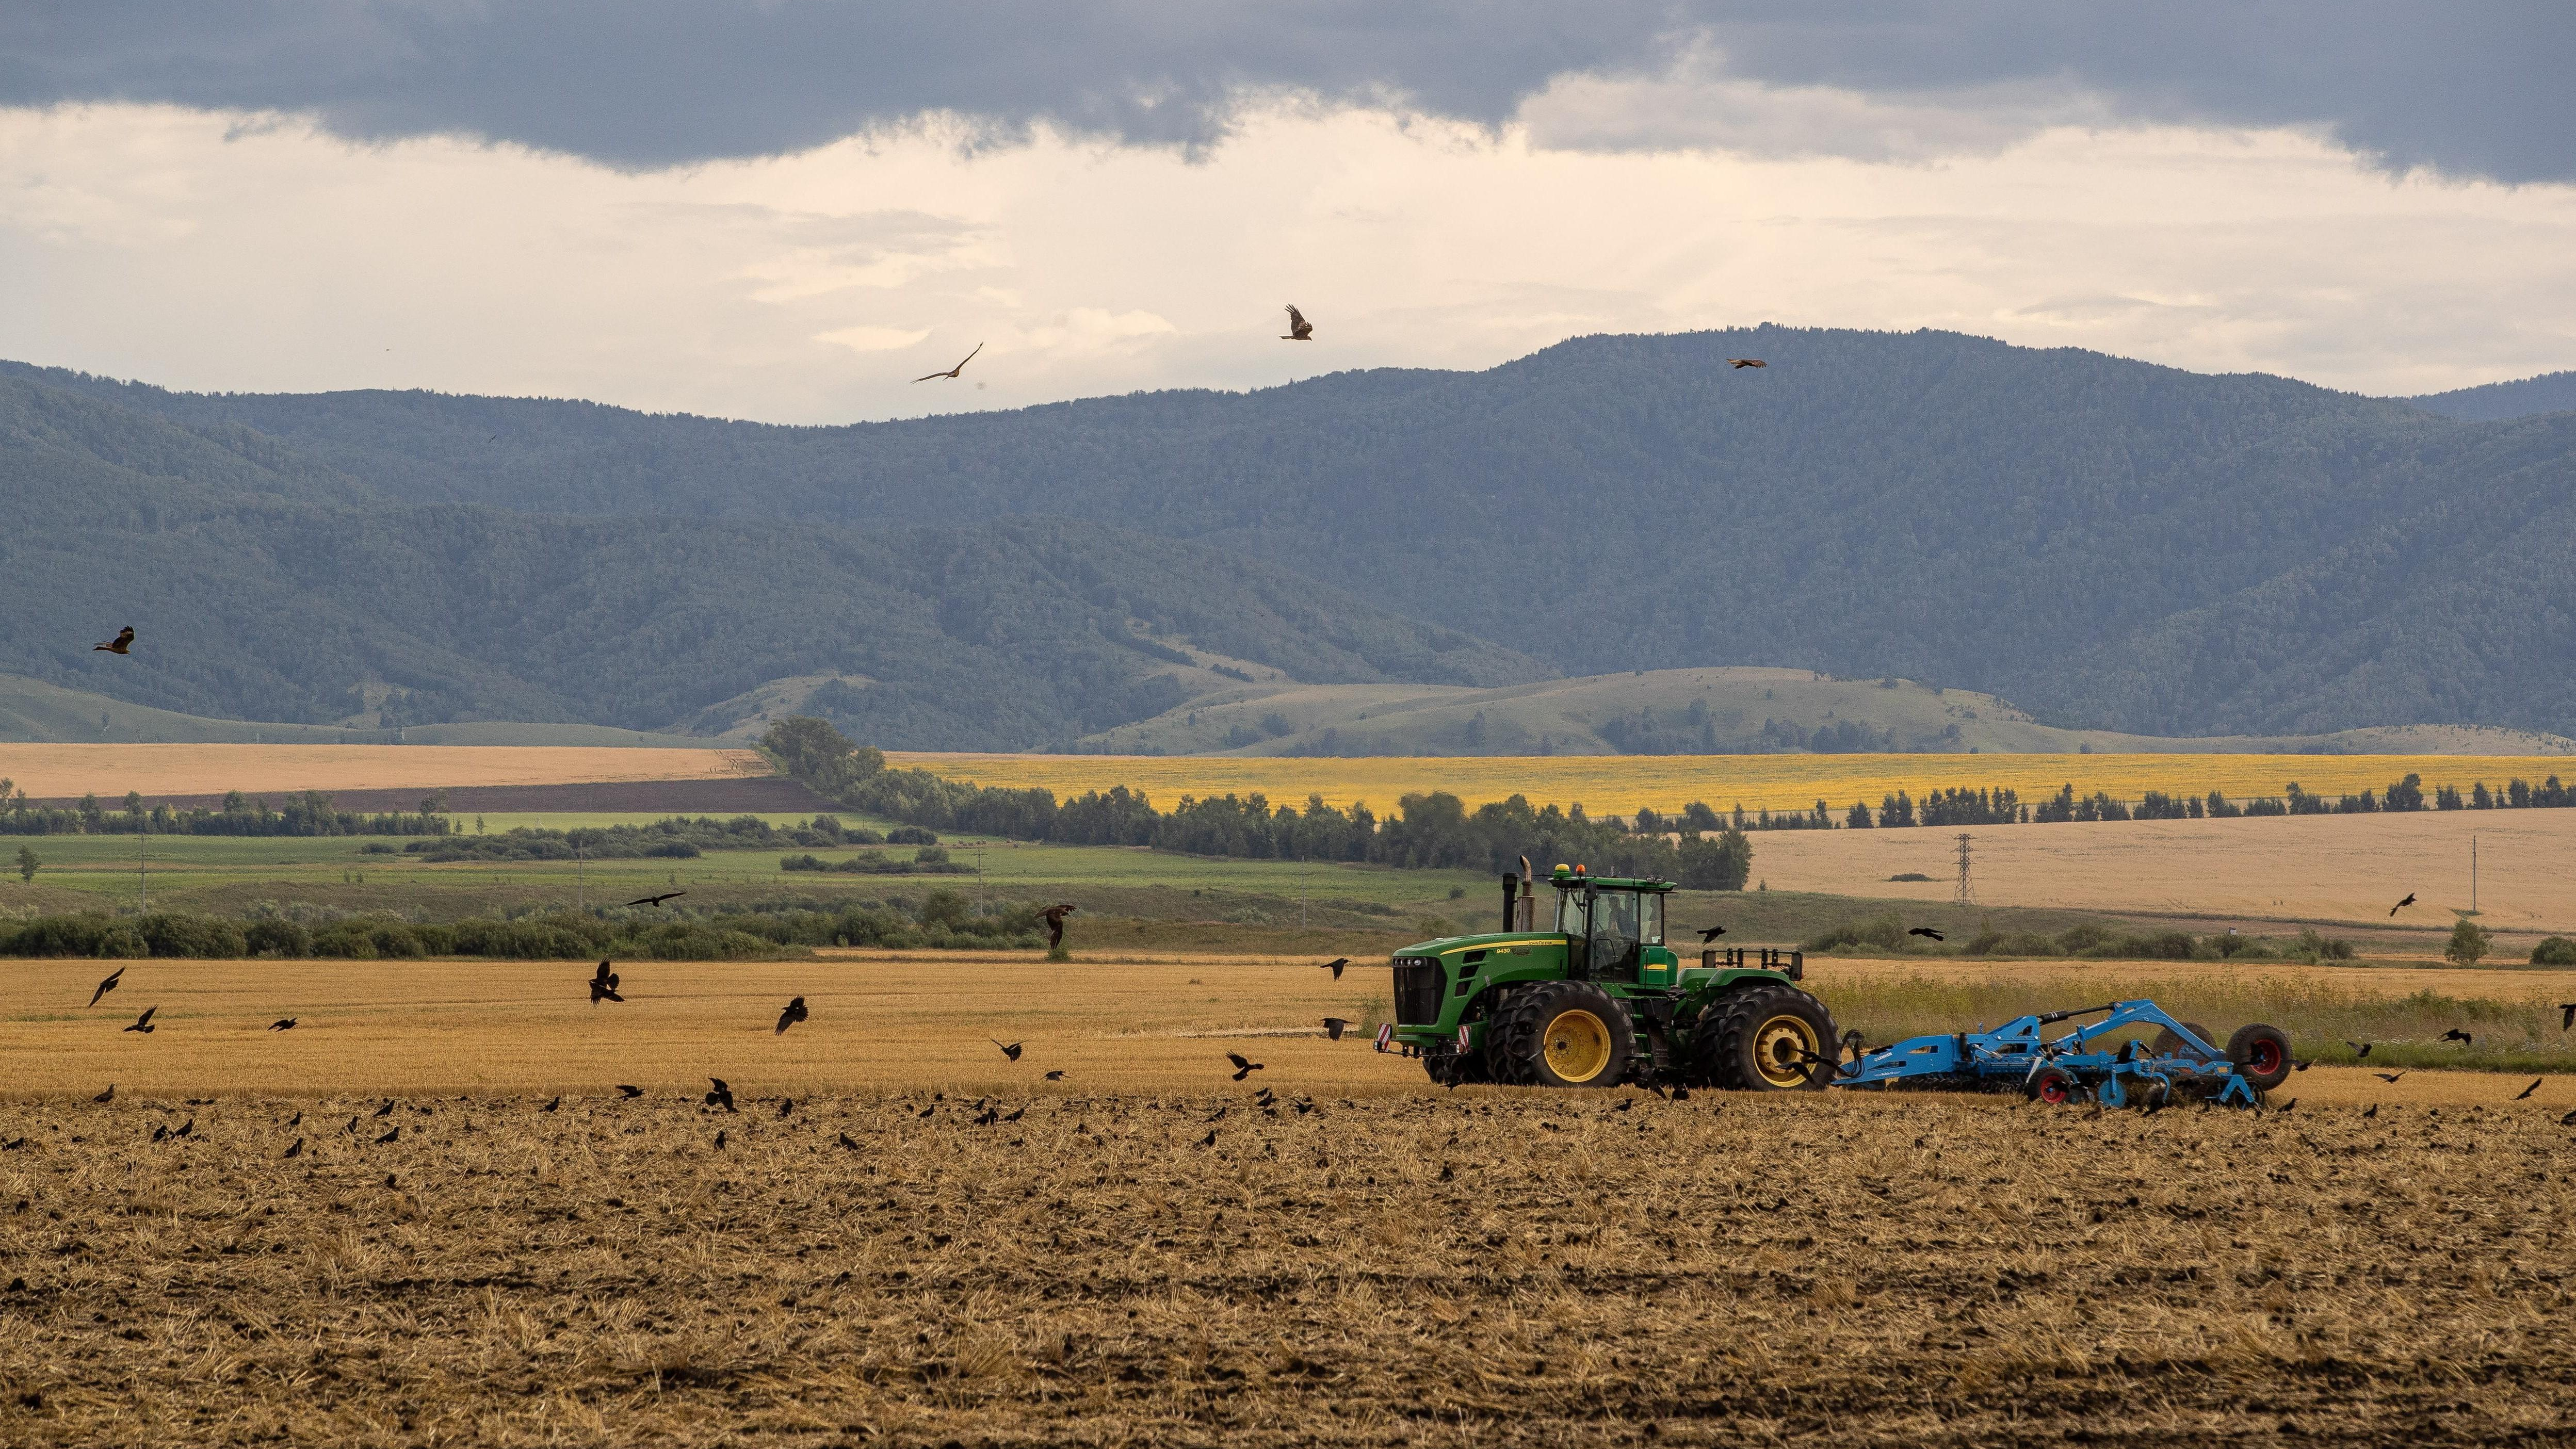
{"x": 1433, "y": 830}
{"x": 307, "y": 812}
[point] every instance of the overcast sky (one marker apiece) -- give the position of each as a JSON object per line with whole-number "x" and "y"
{"x": 786, "y": 210}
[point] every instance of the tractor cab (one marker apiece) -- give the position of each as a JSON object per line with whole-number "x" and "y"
{"x": 1614, "y": 928}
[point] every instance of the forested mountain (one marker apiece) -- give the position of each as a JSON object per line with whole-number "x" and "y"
{"x": 2108, "y": 543}
{"x": 2551, "y": 392}
{"x": 266, "y": 586}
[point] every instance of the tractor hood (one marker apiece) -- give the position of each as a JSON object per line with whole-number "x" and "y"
{"x": 1455, "y": 945}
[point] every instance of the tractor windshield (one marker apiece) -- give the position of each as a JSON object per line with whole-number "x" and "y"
{"x": 1610, "y": 927}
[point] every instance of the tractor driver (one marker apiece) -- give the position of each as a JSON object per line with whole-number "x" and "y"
{"x": 1616, "y": 934}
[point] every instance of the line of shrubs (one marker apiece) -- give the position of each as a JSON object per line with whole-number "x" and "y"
{"x": 929, "y": 860}
{"x": 2086, "y": 941}
{"x": 944, "y": 919}
{"x": 678, "y": 837}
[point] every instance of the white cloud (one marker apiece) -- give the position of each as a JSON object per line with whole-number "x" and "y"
{"x": 225, "y": 251}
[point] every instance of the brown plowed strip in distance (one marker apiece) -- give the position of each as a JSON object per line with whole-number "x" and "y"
{"x": 676, "y": 797}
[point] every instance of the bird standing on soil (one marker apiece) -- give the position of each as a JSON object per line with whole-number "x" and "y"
{"x": 1012, "y": 1051}
{"x": 629, "y": 1093}
{"x": 1927, "y": 933}
{"x": 107, "y": 1096}
{"x": 720, "y": 1095}
{"x": 392, "y": 1134}
{"x": 297, "y": 1150}
{"x": 386, "y": 1110}
{"x": 657, "y": 900}
{"x": 143, "y": 1023}
{"x": 952, "y": 372}
{"x": 1337, "y": 965}
{"x": 1242, "y": 1067}
{"x": 107, "y": 986}
{"x": 1054, "y": 917}
{"x": 550, "y": 1106}
{"x": 123, "y": 643}
{"x": 2401, "y": 905}
{"x": 794, "y": 1013}
{"x": 1299, "y": 329}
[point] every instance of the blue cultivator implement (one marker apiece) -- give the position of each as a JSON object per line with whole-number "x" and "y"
{"x": 2180, "y": 1064}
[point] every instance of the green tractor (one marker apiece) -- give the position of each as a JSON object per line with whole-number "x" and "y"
{"x": 1600, "y": 1000}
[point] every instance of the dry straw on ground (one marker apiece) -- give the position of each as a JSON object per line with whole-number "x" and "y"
{"x": 48, "y": 771}
{"x": 1381, "y": 1270}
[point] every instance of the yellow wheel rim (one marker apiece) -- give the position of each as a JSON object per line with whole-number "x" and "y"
{"x": 1578, "y": 1046}
{"x": 1781, "y": 1050}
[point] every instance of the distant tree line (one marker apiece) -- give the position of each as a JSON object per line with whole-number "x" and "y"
{"x": 677, "y": 837}
{"x": 306, "y": 813}
{"x": 1429, "y": 831}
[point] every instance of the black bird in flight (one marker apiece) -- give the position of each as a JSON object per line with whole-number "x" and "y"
{"x": 794, "y": 1013}
{"x": 657, "y": 900}
{"x": 106, "y": 986}
{"x": 2388, "y": 1077}
{"x": 1242, "y": 1067}
{"x": 720, "y": 1095}
{"x": 603, "y": 985}
{"x": 1337, "y": 965}
{"x": 1927, "y": 933}
{"x": 2401, "y": 905}
{"x": 143, "y": 1023}
{"x": 550, "y": 1106}
{"x": 2457, "y": 1035}
{"x": 2566, "y": 1014}
{"x": 386, "y": 1110}
{"x": 2360, "y": 1049}
{"x": 123, "y": 643}
{"x": 1711, "y": 934}
{"x": 1012, "y": 1051}
{"x": 107, "y": 1096}
{"x": 1054, "y": 917}
{"x": 2284, "y": 1108}
{"x": 1334, "y": 1026}
{"x": 629, "y": 1093}
{"x": 1741, "y": 363}
{"x": 283, "y": 1023}
{"x": 952, "y": 372}
{"x": 2527, "y": 1091}
{"x": 1056, "y": 1076}
{"x": 1299, "y": 329}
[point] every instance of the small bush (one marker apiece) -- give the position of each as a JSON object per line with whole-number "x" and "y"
{"x": 910, "y": 835}
{"x": 285, "y": 939}
{"x": 674, "y": 850}
{"x": 2555, "y": 951}
{"x": 2469, "y": 943}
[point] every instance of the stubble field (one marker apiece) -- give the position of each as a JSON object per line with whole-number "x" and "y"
{"x": 936, "y": 1245}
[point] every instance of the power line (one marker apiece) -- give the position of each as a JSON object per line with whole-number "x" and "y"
{"x": 1967, "y": 894}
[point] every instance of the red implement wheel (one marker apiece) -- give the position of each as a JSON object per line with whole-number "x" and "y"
{"x": 2053, "y": 1085}
{"x": 2261, "y": 1054}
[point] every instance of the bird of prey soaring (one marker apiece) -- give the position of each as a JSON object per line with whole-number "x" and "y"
{"x": 657, "y": 900}
{"x": 952, "y": 372}
{"x": 1054, "y": 917}
{"x": 123, "y": 643}
{"x": 1741, "y": 363}
{"x": 1299, "y": 329}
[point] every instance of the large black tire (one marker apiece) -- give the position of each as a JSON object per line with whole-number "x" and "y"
{"x": 2167, "y": 1044}
{"x": 1561, "y": 1034}
{"x": 1455, "y": 1071}
{"x": 1765, "y": 1038}
{"x": 2261, "y": 1054}
{"x": 2054, "y": 1085}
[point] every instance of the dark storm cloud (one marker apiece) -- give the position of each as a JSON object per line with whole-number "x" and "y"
{"x": 2475, "y": 89}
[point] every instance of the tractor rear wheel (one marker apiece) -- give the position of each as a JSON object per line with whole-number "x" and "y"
{"x": 2261, "y": 1054}
{"x": 1765, "y": 1039}
{"x": 1561, "y": 1034}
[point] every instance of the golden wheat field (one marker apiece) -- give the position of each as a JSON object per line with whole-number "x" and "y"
{"x": 57, "y": 770}
{"x": 425, "y": 1216}
{"x": 1621, "y": 784}
{"x": 2315, "y": 867}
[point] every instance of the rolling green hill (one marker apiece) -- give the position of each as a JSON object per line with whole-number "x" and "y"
{"x": 1696, "y": 711}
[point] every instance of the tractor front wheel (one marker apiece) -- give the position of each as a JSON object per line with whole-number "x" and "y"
{"x": 1562, "y": 1034}
{"x": 1765, "y": 1039}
